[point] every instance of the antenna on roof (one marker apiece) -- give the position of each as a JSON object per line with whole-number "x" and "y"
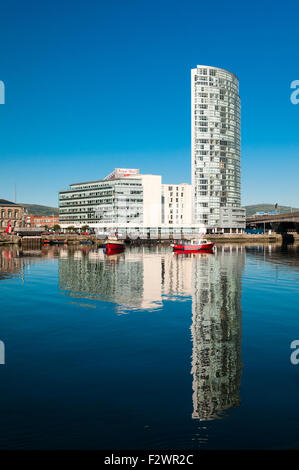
{"x": 15, "y": 193}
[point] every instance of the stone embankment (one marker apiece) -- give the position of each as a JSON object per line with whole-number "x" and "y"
{"x": 247, "y": 237}
{"x": 9, "y": 239}
{"x": 71, "y": 239}
{"x": 66, "y": 238}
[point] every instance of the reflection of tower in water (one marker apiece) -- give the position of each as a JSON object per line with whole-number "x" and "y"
{"x": 216, "y": 332}
{"x": 143, "y": 278}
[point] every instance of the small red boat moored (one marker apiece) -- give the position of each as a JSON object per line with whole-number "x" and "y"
{"x": 112, "y": 246}
{"x": 193, "y": 246}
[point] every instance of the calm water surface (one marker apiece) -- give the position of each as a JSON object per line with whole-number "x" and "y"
{"x": 148, "y": 349}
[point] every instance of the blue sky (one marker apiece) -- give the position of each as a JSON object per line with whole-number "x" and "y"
{"x": 95, "y": 85}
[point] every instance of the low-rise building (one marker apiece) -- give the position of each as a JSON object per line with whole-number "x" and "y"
{"x": 37, "y": 221}
{"x": 124, "y": 197}
{"x": 11, "y": 213}
{"x": 232, "y": 220}
{"x": 137, "y": 205}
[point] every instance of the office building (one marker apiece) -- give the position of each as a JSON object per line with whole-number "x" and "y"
{"x": 134, "y": 204}
{"x": 124, "y": 197}
{"x": 38, "y": 221}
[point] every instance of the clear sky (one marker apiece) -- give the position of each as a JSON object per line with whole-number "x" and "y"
{"x": 93, "y": 85}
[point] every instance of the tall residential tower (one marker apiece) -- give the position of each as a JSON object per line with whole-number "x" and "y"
{"x": 215, "y": 149}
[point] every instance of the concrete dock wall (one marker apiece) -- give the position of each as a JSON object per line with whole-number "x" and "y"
{"x": 71, "y": 239}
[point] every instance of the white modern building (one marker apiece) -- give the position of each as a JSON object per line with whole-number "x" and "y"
{"x": 177, "y": 204}
{"x": 130, "y": 203}
{"x": 215, "y": 150}
{"x": 122, "y": 197}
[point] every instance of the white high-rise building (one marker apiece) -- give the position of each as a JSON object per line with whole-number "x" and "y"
{"x": 215, "y": 149}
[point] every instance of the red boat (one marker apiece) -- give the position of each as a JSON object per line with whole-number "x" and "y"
{"x": 193, "y": 246}
{"x": 113, "y": 246}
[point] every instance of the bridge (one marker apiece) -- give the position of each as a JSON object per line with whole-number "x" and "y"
{"x": 279, "y": 223}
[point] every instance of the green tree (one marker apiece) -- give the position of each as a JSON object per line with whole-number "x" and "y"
{"x": 56, "y": 227}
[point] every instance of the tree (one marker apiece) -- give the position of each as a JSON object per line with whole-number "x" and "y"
{"x": 85, "y": 228}
{"x": 71, "y": 228}
{"x": 56, "y": 227}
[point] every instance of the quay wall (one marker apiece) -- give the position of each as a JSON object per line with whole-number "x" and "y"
{"x": 9, "y": 240}
{"x": 71, "y": 239}
{"x": 244, "y": 237}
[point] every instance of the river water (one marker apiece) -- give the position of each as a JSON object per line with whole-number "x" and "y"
{"x": 148, "y": 349}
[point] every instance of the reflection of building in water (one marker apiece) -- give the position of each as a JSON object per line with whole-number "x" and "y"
{"x": 10, "y": 263}
{"x": 131, "y": 280}
{"x": 136, "y": 279}
{"x": 216, "y": 332}
{"x": 176, "y": 272}
{"x": 13, "y": 261}
{"x": 141, "y": 278}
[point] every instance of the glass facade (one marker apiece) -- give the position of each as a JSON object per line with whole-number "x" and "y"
{"x": 111, "y": 201}
{"x": 215, "y": 143}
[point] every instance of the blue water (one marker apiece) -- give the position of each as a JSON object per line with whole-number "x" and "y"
{"x": 148, "y": 349}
